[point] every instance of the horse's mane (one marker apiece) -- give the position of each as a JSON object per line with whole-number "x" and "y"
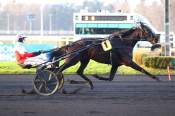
{"x": 124, "y": 33}
{"x": 148, "y": 28}
{"x": 82, "y": 42}
{"x": 86, "y": 41}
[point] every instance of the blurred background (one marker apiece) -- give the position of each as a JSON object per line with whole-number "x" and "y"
{"x": 25, "y": 15}
{"x": 51, "y": 21}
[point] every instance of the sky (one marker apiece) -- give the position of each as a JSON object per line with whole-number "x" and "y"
{"x": 76, "y": 2}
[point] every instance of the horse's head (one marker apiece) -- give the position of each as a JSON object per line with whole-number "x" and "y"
{"x": 148, "y": 34}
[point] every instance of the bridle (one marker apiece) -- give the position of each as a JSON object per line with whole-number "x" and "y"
{"x": 149, "y": 33}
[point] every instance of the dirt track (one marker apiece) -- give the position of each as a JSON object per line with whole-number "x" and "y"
{"x": 125, "y": 96}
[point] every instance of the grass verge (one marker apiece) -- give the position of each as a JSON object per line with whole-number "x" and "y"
{"x": 92, "y": 68}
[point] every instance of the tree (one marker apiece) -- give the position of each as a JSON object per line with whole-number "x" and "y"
{"x": 153, "y": 13}
{"x": 172, "y": 17}
{"x": 122, "y": 6}
{"x": 18, "y": 15}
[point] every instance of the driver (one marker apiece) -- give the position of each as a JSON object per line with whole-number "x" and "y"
{"x": 28, "y": 59}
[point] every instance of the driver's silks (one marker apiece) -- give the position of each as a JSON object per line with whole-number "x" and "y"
{"x": 106, "y": 45}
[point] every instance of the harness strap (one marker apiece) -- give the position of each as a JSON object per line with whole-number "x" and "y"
{"x": 111, "y": 57}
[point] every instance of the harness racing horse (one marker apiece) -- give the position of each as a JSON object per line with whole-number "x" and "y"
{"x": 120, "y": 54}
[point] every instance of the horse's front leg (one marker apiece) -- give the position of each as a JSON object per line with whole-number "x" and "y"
{"x": 137, "y": 67}
{"x": 111, "y": 76}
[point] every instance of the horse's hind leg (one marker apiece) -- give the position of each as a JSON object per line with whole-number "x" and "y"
{"x": 137, "y": 67}
{"x": 80, "y": 71}
{"x": 68, "y": 63}
{"x": 83, "y": 65}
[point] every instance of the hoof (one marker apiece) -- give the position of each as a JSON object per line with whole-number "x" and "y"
{"x": 23, "y": 91}
{"x": 64, "y": 91}
{"x": 157, "y": 79}
{"x": 96, "y": 76}
{"x": 28, "y": 92}
{"x": 91, "y": 86}
{"x": 76, "y": 82}
{"x": 71, "y": 92}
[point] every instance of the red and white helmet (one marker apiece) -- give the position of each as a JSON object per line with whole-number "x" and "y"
{"x": 20, "y": 37}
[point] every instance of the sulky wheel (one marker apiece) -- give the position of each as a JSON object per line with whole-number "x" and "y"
{"x": 47, "y": 82}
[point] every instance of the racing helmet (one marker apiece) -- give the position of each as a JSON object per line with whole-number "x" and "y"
{"x": 21, "y": 37}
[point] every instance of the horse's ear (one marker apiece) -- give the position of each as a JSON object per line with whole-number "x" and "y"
{"x": 141, "y": 24}
{"x": 138, "y": 25}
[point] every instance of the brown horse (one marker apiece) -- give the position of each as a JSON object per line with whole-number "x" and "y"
{"x": 121, "y": 53}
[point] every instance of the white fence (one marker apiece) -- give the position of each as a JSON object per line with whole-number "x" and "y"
{"x": 6, "y": 53}
{"x": 7, "y": 44}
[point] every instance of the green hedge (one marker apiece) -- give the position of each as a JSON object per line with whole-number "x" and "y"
{"x": 160, "y": 62}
